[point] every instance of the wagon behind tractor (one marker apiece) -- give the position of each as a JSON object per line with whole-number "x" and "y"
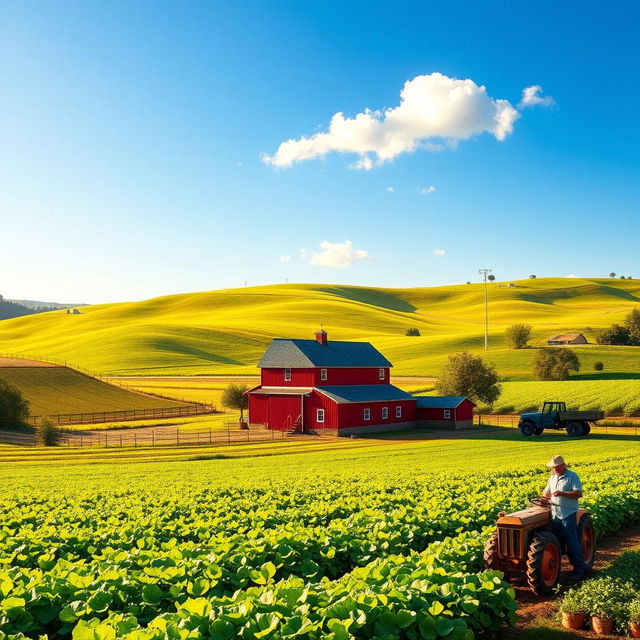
{"x": 525, "y": 546}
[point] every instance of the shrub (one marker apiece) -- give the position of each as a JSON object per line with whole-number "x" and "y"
{"x": 554, "y": 363}
{"x": 572, "y": 603}
{"x": 14, "y": 408}
{"x": 518, "y": 335}
{"x": 614, "y": 335}
{"x": 598, "y": 366}
{"x": 235, "y": 397}
{"x": 412, "y": 331}
{"x": 634, "y": 611}
{"x": 533, "y": 276}
{"x": 467, "y": 375}
{"x": 615, "y": 410}
{"x": 47, "y": 433}
{"x": 607, "y": 598}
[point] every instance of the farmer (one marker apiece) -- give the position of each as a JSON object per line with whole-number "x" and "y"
{"x": 563, "y": 491}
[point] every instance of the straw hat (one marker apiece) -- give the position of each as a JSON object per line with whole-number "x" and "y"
{"x": 556, "y": 461}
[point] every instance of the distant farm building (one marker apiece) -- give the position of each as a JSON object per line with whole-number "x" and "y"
{"x": 309, "y": 385}
{"x": 567, "y": 338}
{"x": 448, "y": 412}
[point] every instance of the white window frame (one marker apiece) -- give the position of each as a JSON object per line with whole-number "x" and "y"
{"x": 398, "y": 411}
{"x": 381, "y": 374}
{"x": 366, "y": 415}
{"x": 323, "y": 374}
{"x": 287, "y": 375}
{"x": 447, "y": 414}
{"x": 385, "y": 413}
{"x": 320, "y": 415}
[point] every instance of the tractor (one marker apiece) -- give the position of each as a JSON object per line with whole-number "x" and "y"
{"x": 554, "y": 415}
{"x": 525, "y": 546}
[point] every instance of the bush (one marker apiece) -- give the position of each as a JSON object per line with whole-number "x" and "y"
{"x": 14, "y": 408}
{"x": 412, "y": 331}
{"x": 607, "y": 598}
{"x": 555, "y": 363}
{"x": 634, "y": 611}
{"x": 235, "y": 397}
{"x": 598, "y": 366}
{"x": 572, "y": 603}
{"x": 518, "y": 335}
{"x": 47, "y": 433}
{"x": 470, "y": 376}
{"x": 614, "y": 335}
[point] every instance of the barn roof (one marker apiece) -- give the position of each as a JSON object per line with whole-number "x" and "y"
{"x": 364, "y": 393}
{"x": 440, "y": 402}
{"x": 290, "y": 353}
{"x": 564, "y": 337}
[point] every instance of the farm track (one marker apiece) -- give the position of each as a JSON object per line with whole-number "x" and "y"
{"x": 537, "y": 613}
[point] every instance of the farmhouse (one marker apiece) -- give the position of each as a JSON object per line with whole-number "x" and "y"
{"x": 448, "y": 412}
{"x": 567, "y": 338}
{"x": 308, "y": 385}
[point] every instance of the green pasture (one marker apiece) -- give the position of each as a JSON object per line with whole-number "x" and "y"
{"x": 225, "y": 332}
{"x": 55, "y": 390}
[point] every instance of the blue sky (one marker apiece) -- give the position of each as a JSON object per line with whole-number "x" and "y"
{"x": 132, "y": 134}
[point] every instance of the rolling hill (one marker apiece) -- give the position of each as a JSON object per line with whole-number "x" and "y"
{"x": 225, "y": 332}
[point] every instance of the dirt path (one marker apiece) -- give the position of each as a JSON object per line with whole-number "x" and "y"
{"x": 537, "y": 617}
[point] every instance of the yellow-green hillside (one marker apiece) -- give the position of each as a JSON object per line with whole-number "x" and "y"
{"x": 225, "y": 332}
{"x": 60, "y": 390}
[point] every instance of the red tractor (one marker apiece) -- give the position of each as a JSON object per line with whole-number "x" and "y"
{"x": 525, "y": 545}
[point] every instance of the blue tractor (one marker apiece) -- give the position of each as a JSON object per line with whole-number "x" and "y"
{"x": 554, "y": 415}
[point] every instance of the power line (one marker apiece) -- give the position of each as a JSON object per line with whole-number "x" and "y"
{"x": 485, "y": 273}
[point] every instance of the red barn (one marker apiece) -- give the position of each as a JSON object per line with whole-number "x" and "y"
{"x": 317, "y": 384}
{"x": 447, "y": 412}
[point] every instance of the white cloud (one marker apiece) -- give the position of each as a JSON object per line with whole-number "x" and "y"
{"x": 425, "y": 191}
{"x": 439, "y": 252}
{"x": 572, "y": 275}
{"x": 434, "y": 113}
{"x": 532, "y": 96}
{"x": 285, "y": 258}
{"x": 390, "y": 190}
{"x": 337, "y": 254}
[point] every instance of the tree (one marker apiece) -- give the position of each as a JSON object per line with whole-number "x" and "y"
{"x": 14, "y": 408}
{"x": 615, "y": 334}
{"x": 48, "y": 434}
{"x": 555, "y": 363}
{"x": 518, "y": 335}
{"x": 491, "y": 278}
{"x": 622, "y": 277}
{"x": 612, "y": 274}
{"x": 533, "y": 276}
{"x": 412, "y": 331}
{"x": 470, "y": 376}
{"x": 632, "y": 323}
{"x": 598, "y": 366}
{"x": 235, "y": 397}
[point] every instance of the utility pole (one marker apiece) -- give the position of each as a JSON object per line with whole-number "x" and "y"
{"x": 485, "y": 273}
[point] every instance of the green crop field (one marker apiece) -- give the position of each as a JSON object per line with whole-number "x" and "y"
{"x": 225, "y": 332}
{"x": 56, "y": 390}
{"x": 362, "y": 540}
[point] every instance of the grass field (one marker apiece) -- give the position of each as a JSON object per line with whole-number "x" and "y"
{"x": 56, "y": 390}
{"x": 225, "y": 332}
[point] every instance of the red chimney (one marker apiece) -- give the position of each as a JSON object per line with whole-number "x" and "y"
{"x": 321, "y": 336}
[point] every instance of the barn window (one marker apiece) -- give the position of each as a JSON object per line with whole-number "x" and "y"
{"x": 320, "y": 415}
{"x": 385, "y": 413}
{"x": 367, "y": 414}
{"x": 447, "y": 414}
{"x": 398, "y": 412}
{"x": 323, "y": 374}
{"x": 287, "y": 375}
{"x": 381, "y": 374}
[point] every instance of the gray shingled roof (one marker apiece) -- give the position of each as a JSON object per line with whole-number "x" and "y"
{"x": 439, "y": 402}
{"x": 364, "y": 393}
{"x": 310, "y": 353}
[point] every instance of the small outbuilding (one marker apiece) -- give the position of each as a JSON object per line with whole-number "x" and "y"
{"x": 444, "y": 412}
{"x": 567, "y": 338}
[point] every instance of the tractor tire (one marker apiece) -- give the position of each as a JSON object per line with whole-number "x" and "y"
{"x": 491, "y": 558}
{"x": 574, "y": 429}
{"x": 587, "y": 537}
{"x": 537, "y": 430}
{"x": 526, "y": 428}
{"x": 543, "y": 563}
{"x": 586, "y": 428}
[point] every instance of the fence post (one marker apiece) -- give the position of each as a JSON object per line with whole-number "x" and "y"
{"x": 209, "y": 435}
{"x": 81, "y": 440}
{"x": 135, "y": 439}
{"x": 229, "y": 434}
{"x": 121, "y": 440}
{"x": 177, "y": 435}
{"x": 153, "y": 438}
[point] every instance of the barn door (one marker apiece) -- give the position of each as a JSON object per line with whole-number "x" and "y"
{"x": 284, "y": 412}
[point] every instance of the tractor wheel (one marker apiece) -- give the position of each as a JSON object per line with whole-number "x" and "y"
{"x": 574, "y": 429}
{"x": 537, "y": 430}
{"x": 491, "y": 558}
{"x": 586, "y": 428}
{"x": 526, "y": 428}
{"x": 587, "y": 537}
{"x": 543, "y": 563}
